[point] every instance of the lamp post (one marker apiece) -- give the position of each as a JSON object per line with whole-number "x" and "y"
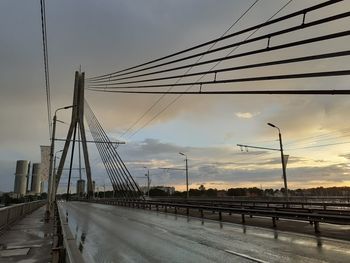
{"x": 54, "y": 161}
{"x": 148, "y": 181}
{"x": 104, "y": 190}
{"x": 186, "y": 160}
{"x": 282, "y": 160}
{"x": 53, "y": 196}
{"x": 54, "y": 173}
{"x": 51, "y": 182}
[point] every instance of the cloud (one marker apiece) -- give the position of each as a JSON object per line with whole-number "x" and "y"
{"x": 113, "y": 35}
{"x": 224, "y": 168}
{"x": 346, "y": 156}
{"x": 246, "y": 115}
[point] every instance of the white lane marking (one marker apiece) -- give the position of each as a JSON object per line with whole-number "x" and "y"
{"x": 246, "y": 256}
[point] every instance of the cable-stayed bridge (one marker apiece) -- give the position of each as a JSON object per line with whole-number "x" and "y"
{"x": 129, "y": 228}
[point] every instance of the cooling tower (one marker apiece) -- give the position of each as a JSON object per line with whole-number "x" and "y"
{"x": 21, "y": 177}
{"x": 36, "y": 179}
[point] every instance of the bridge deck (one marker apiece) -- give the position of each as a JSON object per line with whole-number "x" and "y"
{"x": 120, "y": 234}
{"x": 28, "y": 240}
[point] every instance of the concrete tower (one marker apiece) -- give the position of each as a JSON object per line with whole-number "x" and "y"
{"x": 36, "y": 180}
{"x": 80, "y": 187}
{"x": 21, "y": 177}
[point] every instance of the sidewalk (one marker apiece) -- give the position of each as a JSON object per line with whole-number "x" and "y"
{"x": 28, "y": 241}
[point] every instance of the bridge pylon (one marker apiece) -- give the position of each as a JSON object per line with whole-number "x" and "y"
{"x": 76, "y": 125}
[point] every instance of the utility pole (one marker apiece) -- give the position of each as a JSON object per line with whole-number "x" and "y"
{"x": 186, "y": 160}
{"x": 54, "y": 166}
{"x": 148, "y": 182}
{"x": 49, "y": 208}
{"x": 282, "y": 160}
{"x": 52, "y": 184}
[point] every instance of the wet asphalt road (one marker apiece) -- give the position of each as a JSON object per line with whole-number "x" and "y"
{"x": 119, "y": 234}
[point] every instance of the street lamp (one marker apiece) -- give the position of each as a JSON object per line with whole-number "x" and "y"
{"x": 148, "y": 181}
{"x": 186, "y": 160}
{"x": 52, "y": 149}
{"x": 282, "y": 160}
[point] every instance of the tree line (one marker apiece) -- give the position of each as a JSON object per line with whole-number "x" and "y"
{"x": 257, "y": 192}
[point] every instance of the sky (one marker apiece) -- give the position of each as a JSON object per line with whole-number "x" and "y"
{"x": 109, "y": 35}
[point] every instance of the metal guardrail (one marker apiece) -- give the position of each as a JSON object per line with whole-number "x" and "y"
{"x": 65, "y": 248}
{"x": 310, "y": 216}
{"x": 333, "y": 208}
{"x": 10, "y": 214}
{"x": 326, "y": 207}
{"x": 302, "y": 199}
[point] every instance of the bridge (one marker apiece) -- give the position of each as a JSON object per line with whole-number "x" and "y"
{"x": 179, "y": 231}
{"x": 131, "y": 227}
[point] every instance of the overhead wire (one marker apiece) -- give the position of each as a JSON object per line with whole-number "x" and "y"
{"x": 112, "y": 76}
{"x": 246, "y": 92}
{"x": 247, "y": 66}
{"x": 268, "y": 37}
{"x": 329, "y": 139}
{"x": 322, "y": 145}
{"x": 236, "y": 80}
{"x": 187, "y": 71}
{"x": 263, "y": 78}
{"x": 180, "y": 95}
{"x": 267, "y": 23}
{"x": 314, "y": 74}
{"x": 46, "y": 63}
{"x": 301, "y": 140}
{"x": 317, "y": 74}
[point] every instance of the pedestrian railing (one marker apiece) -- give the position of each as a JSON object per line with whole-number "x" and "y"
{"x": 329, "y": 208}
{"x": 264, "y": 203}
{"x": 10, "y": 214}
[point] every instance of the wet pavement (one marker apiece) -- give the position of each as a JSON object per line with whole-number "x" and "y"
{"x": 27, "y": 241}
{"x": 302, "y": 227}
{"x": 119, "y": 234}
